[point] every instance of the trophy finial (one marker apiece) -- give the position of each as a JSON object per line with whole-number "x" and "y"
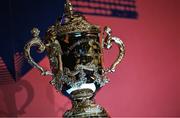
{"x": 35, "y": 32}
{"x": 72, "y": 22}
{"x": 68, "y": 9}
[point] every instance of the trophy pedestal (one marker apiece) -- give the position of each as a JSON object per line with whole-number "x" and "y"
{"x": 83, "y": 105}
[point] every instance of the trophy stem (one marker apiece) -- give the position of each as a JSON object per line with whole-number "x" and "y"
{"x": 84, "y": 106}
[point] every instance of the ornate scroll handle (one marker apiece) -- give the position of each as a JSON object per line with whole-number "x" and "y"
{"x": 107, "y": 44}
{"x": 35, "y": 41}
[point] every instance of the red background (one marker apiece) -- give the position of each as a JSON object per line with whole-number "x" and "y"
{"x": 146, "y": 83}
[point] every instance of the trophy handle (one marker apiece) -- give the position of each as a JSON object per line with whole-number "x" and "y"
{"x": 107, "y": 44}
{"x": 35, "y": 41}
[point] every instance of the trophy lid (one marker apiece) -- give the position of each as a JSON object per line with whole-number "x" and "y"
{"x": 73, "y": 22}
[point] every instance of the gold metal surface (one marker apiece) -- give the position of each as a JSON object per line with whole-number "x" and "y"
{"x": 75, "y": 56}
{"x": 35, "y": 41}
{"x": 107, "y": 44}
{"x": 75, "y": 22}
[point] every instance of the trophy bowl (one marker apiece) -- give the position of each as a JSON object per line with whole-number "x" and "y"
{"x": 74, "y": 50}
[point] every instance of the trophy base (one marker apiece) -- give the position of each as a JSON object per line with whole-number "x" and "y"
{"x": 83, "y": 105}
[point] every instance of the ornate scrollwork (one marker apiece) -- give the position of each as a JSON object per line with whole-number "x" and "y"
{"x": 75, "y": 22}
{"x": 75, "y": 56}
{"x": 35, "y": 41}
{"x": 107, "y": 44}
{"x": 78, "y": 24}
{"x": 69, "y": 76}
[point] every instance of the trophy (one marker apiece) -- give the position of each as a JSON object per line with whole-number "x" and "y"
{"x": 74, "y": 50}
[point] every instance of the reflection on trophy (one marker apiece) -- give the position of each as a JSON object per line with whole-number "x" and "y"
{"x": 74, "y": 50}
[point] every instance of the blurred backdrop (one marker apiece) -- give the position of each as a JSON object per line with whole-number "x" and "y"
{"x": 146, "y": 83}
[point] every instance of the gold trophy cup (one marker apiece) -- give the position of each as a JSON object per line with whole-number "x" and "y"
{"x": 74, "y": 50}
